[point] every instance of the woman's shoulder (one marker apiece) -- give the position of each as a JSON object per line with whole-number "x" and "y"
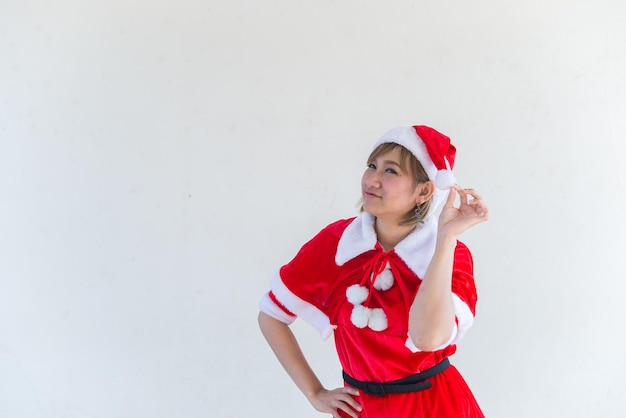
{"x": 325, "y": 241}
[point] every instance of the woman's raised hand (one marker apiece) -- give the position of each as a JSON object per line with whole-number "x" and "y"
{"x": 471, "y": 211}
{"x": 331, "y": 401}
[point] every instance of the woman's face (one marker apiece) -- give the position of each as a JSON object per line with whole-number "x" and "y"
{"x": 389, "y": 190}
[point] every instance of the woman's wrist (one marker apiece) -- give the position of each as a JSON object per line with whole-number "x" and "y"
{"x": 312, "y": 393}
{"x": 445, "y": 238}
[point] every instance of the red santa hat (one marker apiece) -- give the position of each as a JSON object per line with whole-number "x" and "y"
{"x": 431, "y": 148}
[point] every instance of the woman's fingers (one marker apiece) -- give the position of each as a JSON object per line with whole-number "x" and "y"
{"x": 347, "y": 410}
{"x": 469, "y": 196}
{"x": 345, "y": 401}
{"x": 340, "y": 399}
{"x": 483, "y": 211}
{"x": 348, "y": 398}
{"x": 472, "y": 193}
{"x": 465, "y": 195}
{"x": 471, "y": 199}
{"x": 477, "y": 205}
{"x": 451, "y": 197}
{"x": 471, "y": 211}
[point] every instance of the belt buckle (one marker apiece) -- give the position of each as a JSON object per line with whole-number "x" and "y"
{"x": 375, "y": 388}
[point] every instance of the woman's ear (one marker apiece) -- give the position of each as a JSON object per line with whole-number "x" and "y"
{"x": 426, "y": 191}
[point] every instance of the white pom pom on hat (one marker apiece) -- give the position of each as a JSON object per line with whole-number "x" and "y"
{"x": 431, "y": 148}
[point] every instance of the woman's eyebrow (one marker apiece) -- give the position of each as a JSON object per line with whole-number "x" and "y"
{"x": 392, "y": 162}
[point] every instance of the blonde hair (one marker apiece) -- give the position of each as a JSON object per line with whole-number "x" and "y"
{"x": 409, "y": 163}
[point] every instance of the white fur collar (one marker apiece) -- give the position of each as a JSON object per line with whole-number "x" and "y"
{"x": 416, "y": 250}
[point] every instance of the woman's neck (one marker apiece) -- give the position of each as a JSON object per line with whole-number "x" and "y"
{"x": 390, "y": 234}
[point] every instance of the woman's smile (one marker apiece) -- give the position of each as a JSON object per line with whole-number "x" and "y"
{"x": 370, "y": 195}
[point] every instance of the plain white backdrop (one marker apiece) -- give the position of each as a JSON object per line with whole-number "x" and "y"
{"x": 160, "y": 160}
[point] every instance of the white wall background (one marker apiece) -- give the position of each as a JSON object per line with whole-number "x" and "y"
{"x": 159, "y": 160}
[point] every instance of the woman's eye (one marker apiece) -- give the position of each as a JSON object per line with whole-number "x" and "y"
{"x": 372, "y": 166}
{"x": 391, "y": 170}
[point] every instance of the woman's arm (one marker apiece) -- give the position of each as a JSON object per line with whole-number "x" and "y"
{"x": 432, "y": 317}
{"x": 287, "y": 350}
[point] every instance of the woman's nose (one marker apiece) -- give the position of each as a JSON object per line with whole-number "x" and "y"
{"x": 372, "y": 178}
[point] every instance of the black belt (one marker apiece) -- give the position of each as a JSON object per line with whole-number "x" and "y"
{"x": 413, "y": 383}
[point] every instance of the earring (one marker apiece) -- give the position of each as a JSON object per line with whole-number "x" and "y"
{"x": 419, "y": 213}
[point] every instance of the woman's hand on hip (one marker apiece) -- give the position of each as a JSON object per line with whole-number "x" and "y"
{"x": 331, "y": 401}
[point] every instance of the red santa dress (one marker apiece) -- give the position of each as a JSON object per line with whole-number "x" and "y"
{"x": 342, "y": 282}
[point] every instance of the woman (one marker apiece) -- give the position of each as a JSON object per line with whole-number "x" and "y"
{"x": 393, "y": 284}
